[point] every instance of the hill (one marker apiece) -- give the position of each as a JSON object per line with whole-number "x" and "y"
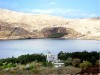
{"x": 17, "y": 25}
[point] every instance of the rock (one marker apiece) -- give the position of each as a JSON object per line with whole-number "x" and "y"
{"x": 27, "y": 66}
{"x": 53, "y": 30}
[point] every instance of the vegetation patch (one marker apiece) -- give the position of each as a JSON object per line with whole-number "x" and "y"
{"x": 56, "y": 35}
{"x": 75, "y": 63}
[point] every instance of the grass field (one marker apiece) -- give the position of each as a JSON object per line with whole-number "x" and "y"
{"x": 44, "y": 70}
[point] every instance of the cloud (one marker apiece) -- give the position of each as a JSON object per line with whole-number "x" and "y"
{"x": 68, "y": 13}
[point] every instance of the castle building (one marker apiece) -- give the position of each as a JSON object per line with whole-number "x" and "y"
{"x": 51, "y": 58}
{"x": 54, "y": 59}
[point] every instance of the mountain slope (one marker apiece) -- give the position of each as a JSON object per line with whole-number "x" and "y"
{"x": 16, "y": 25}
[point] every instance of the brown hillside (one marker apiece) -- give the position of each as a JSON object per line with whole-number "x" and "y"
{"x": 16, "y": 25}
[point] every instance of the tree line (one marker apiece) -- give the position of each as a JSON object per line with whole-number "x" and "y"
{"x": 83, "y": 56}
{"x": 28, "y": 58}
{"x": 24, "y": 59}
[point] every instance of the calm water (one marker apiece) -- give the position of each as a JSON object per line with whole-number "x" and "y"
{"x": 9, "y": 48}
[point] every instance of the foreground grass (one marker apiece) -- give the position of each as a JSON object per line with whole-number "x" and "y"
{"x": 44, "y": 70}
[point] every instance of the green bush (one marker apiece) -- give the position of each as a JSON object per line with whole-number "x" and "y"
{"x": 47, "y": 64}
{"x": 68, "y": 62}
{"x": 76, "y": 62}
{"x": 32, "y": 67}
{"x": 0, "y": 67}
{"x": 9, "y": 65}
{"x": 4, "y": 65}
{"x": 85, "y": 64}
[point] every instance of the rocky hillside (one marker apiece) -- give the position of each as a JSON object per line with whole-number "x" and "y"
{"x": 16, "y": 25}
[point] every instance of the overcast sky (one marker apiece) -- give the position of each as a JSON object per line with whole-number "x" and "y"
{"x": 63, "y": 8}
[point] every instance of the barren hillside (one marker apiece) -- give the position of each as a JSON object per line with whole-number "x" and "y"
{"x": 16, "y": 25}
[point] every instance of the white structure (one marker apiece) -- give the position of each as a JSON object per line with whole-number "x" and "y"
{"x": 54, "y": 59}
{"x": 51, "y": 58}
{"x": 58, "y": 64}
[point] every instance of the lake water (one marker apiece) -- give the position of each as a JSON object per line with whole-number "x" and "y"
{"x": 9, "y": 48}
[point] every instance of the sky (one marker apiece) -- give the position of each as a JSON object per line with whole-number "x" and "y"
{"x": 63, "y": 8}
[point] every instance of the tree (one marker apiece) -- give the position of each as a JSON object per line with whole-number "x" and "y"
{"x": 76, "y": 62}
{"x": 85, "y": 65}
{"x": 93, "y": 60}
{"x": 68, "y": 62}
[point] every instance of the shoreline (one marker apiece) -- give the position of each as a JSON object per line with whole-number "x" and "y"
{"x": 49, "y": 38}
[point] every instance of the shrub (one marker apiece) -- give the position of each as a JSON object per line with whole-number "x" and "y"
{"x": 68, "y": 62}
{"x": 11, "y": 65}
{"x": 76, "y": 62}
{"x": 47, "y": 64}
{"x": 4, "y": 65}
{"x": 8, "y": 65}
{"x": 37, "y": 65}
{"x": 97, "y": 63}
{"x": 85, "y": 64}
{"x": 0, "y": 67}
{"x": 32, "y": 67}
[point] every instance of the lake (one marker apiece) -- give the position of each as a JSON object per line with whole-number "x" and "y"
{"x": 9, "y": 48}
